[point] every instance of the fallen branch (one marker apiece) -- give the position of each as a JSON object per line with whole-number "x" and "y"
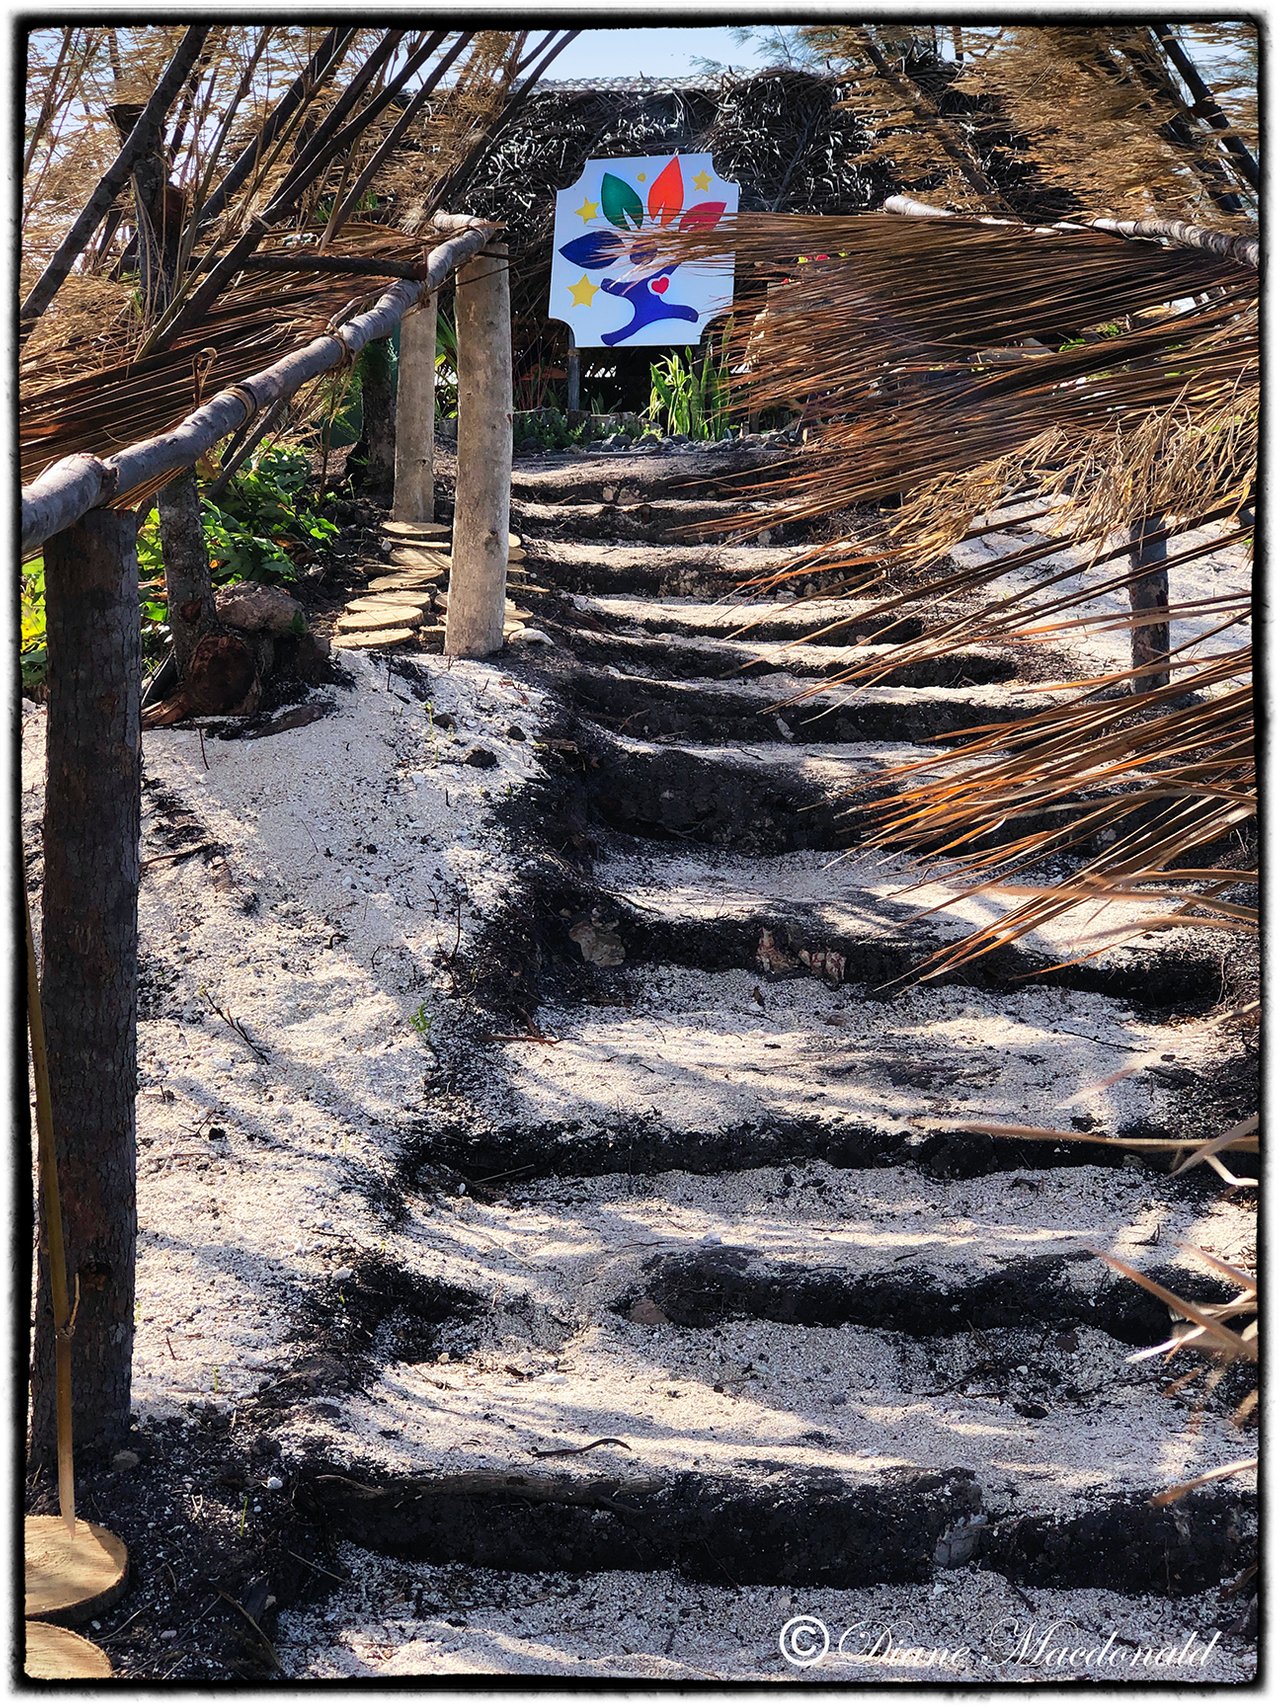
{"x": 572, "y": 1451}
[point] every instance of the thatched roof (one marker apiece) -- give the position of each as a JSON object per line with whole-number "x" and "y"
{"x": 782, "y": 134}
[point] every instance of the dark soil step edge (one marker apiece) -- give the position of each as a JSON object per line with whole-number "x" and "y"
{"x": 667, "y": 658}
{"x": 675, "y": 794}
{"x": 1181, "y": 980}
{"x": 698, "y": 1289}
{"x": 646, "y": 709}
{"x": 659, "y": 521}
{"x": 793, "y": 622}
{"x": 809, "y": 1529}
{"x": 806, "y": 1528}
{"x": 701, "y": 575}
{"x": 1128, "y": 1545}
{"x": 490, "y": 1158}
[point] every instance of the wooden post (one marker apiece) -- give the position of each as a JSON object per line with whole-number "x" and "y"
{"x": 415, "y": 493}
{"x": 482, "y": 504}
{"x": 573, "y": 376}
{"x": 188, "y": 583}
{"x": 374, "y": 455}
{"x": 1149, "y": 592}
{"x": 90, "y": 975}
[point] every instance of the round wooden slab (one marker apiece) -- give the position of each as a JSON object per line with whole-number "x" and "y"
{"x": 371, "y": 621}
{"x": 432, "y": 531}
{"x": 418, "y": 557}
{"x": 370, "y": 639}
{"x": 72, "y": 1575}
{"x": 57, "y": 1653}
{"x": 417, "y": 530}
{"x": 407, "y": 582}
{"x": 510, "y": 612}
{"x": 388, "y": 601}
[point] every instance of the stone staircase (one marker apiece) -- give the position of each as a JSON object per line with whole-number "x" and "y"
{"x": 704, "y": 1279}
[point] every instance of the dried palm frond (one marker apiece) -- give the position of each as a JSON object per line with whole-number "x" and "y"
{"x": 276, "y": 127}
{"x": 1242, "y": 1139}
{"x": 996, "y": 377}
{"x": 1214, "y": 1332}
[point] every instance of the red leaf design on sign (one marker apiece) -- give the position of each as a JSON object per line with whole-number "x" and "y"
{"x": 705, "y": 213}
{"x": 666, "y": 193}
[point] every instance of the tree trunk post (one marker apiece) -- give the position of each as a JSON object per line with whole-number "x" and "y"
{"x": 1149, "y": 592}
{"x": 415, "y": 493}
{"x": 90, "y": 978}
{"x": 187, "y": 580}
{"x": 377, "y": 446}
{"x": 482, "y": 504}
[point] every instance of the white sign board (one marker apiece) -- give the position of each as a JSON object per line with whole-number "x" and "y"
{"x": 598, "y": 282}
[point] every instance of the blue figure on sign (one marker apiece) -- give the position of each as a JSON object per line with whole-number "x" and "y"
{"x": 648, "y": 303}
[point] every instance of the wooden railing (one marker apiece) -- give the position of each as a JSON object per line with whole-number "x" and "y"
{"x": 81, "y": 513}
{"x": 71, "y": 491}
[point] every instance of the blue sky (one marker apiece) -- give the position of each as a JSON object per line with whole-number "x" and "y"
{"x": 648, "y": 53}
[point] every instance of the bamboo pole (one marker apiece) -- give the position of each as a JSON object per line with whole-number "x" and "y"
{"x": 482, "y": 500}
{"x": 1226, "y": 244}
{"x": 1148, "y": 597}
{"x": 69, "y": 489}
{"x": 59, "y": 1293}
{"x": 415, "y": 498}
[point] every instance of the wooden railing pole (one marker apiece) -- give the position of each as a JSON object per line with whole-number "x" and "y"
{"x": 482, "y": 504}
{"x": 415, "y": 494}
{"x": 1150, "y": 592}
{"x": 90, "y": 944}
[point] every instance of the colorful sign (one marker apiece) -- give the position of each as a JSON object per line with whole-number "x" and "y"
{"x": 599, "y": 284}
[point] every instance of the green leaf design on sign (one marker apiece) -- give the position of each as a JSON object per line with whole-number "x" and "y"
{"x": 620, "y": 203}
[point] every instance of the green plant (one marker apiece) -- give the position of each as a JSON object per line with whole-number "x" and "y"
{"x": 549, "y": 429}
{"x": 689, "y": 396}
{"x": 32, "y": 608}
{"x": 258, "y": 530}
{"x": 420, "y": 1020}
{"x": 446, "y": 367}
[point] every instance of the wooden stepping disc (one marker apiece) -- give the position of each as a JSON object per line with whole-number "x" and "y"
{"x": 510, "y": 612}
{"x": 372, "y": 638}
{"x": 389, "y": 601}
{"x": 72, "y": 1575}
{"x": 434, "y": 532}
{"x": 418, "y": 557}
{"x": 417, "y": 530}
{"x": 52, "y": 1651}
{"x": 393, "y": 616}
{"x": 406, "y": 583}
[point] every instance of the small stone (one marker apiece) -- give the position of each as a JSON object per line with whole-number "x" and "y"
{"x": 481, "y": 758}
{"x": 343, "y": 1273}
{"x": 168, "y": 1635}
{"x": 528, "y": 637}
{"x": 251, "y": 606}
{"x": 273, "y": 1484}
{"x": 647, "y": 1313}
{"x": 125, "y": 1461}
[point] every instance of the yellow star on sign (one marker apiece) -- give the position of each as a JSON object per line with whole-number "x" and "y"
{"x": 583, "y": 292}
{"x": 588, "y": 210}
{"x": 702, "y": 181}
{"x": 640, "y": 177}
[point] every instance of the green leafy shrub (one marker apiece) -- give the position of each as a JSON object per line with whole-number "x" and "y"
{"x": 31, "y": 589}
{"x": 690, "y": 396}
